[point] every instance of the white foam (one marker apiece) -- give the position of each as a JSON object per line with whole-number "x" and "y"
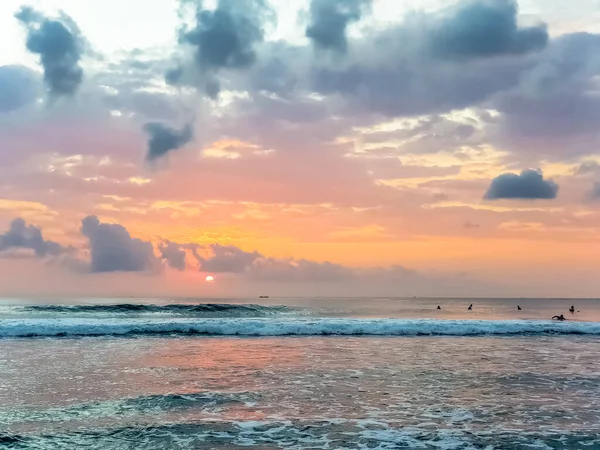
{"x": 289, "y": 327}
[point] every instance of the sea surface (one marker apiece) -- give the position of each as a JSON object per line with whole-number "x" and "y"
{"x": 293, "y": 373}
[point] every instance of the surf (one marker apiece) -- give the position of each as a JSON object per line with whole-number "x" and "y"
{"x": 193, "y": 310}
{"x": 254, "y": 327}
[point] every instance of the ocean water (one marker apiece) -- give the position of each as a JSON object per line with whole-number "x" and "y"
{"x": 299, "y": 374}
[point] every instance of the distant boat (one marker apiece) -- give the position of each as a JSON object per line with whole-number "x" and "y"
{"x": 263, "y": 296}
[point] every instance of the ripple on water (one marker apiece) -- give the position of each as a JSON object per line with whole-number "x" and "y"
{"x": 339, "y": 433}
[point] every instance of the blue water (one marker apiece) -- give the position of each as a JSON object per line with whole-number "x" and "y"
{"x": 299, "y": 373}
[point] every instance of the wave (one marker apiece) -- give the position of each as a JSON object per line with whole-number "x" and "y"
{"x": 130, "y": 406}
{"x": 288, "y": 327}
{"x": 196, "y": 310}
{"x": 298, "y": 434}
{"x": 179, "y": 401}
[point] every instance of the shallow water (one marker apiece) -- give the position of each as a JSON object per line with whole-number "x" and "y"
{"x": 533, "y": 390}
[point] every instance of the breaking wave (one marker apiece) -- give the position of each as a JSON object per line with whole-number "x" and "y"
{"x": 325, "y": 434}
{"x": 73, "y": 327}
{"x": 196, "y": 310}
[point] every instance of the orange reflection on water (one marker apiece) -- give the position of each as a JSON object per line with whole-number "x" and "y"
{"x": 227, "y": 365}
{"x": 223, "y": 354}
{"x": 222, "y": 365}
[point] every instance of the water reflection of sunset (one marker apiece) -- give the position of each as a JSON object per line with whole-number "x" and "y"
{"x": 217, "y": 361}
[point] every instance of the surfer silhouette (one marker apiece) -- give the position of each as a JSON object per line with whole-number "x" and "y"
{"x": 572, "y": 309}
{"x": 470, "y": 308}
{"x": 561, "y": 318}
{"x": 519, "y": 308}
{"x": 439, "y": 307}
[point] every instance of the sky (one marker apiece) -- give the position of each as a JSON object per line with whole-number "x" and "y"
{"x": 300, "y": 147}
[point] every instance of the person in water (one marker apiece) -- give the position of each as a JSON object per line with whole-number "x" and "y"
{"x": 572, "y": 309}
{"x": 519, "y": 308}
{"x": 470, "y": 308}
{"x": 439, "y": 307}
{"x": 561, "y": 318}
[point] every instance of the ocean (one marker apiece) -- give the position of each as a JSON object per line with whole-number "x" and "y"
{"x": 299, "y": 373}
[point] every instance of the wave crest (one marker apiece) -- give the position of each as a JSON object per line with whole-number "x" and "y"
{"x": 195, "y": 310}
{"x": 287, "y": 327}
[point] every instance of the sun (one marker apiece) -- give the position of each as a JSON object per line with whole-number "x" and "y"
{"x": 210, "y": 279}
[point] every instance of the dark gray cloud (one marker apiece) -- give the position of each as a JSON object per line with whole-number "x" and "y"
{"x": 393, "y": 71}
{"x": 400, "y": 71}
{"x": 485, "y": 28}
{"x": 255, "y": 266}
{"x": 554, "y": 110}
{"x": 405, "y": 69}
{"x": 175, "y": 254}
{"x": 112, "y": 249}
{"x": 18, "y": 87}
{"x": 571, "y": 58}
{"x": 223, "y": 38}
{"x": 163, "y": 139}
{"x": 530, "y": 184}
{"x": 329, "y": 20}
{"x": 406, "y": 87}
{"x": 59, "y": 44}
{"x": 228, "y": 259}
{"x": 29, "y": 237}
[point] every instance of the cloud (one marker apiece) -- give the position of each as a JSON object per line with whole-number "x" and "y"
{"x": 398, "y": 63}
{"x": 29, "y": 237}
{"x": 553, "y": 111}
{"x": 561, "y": 63}
{"x": 594, "y": 194}
{"x": 329, "y": 20}
{"x": 433, "y": 134}
{"x": 530, "y": 184}
{"x": 292, "y": 270}
{"x": 163, "y": 139}
{"x": 433, "y": 62}
{"x": 223, "y": 38}
{"x": 155, "y": 106}
{"x": 470, "y": 225}
{"x": 485, "y": 28}
{"x": 587, "y": 168}
{"x": 253, "y": 265}
{"x": 227, "y": 259}
{"x": 174, "y": 254}
{"x": 112, "y": 249}
{"x": 547, "y": 96}
{"x": 18, "y": 87}
{"x": 59, "y": 45}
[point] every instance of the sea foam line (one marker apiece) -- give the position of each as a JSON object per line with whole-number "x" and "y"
{"x": 288, "y": 327}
